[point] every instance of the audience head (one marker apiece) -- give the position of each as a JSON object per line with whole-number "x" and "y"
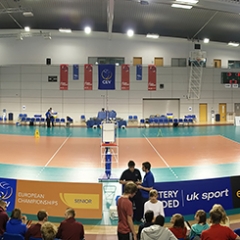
{"x": 48, "y": 231}
{"x": 149, "y": 215}
{"x": 42, "y": 216}
{"x": 3, "y": 204}
{"x": 220, "y": 209}
{"x": 215, "y": 216}
{"x": 153, "y": 194}
{"x": 130, "y": 188}
{"x": 70, "y": 212}
{"x": 201, "y": 216}
{"x": 16, "y": 214}
{"x": 159, "y": 220}
{"x": 146, "y": 166}
{"x": 131, "y": 165}
{"x": 177, "y": 220}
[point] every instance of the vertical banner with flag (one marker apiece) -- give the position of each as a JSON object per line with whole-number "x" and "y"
{"x": 75, "y": 72}
{"x": 152, "y": 78}
{"x": 139, "y": 72}
{"x": 63, "y": 77}
{"x": 106, "y": 77}
{"x": 125, "y": 82}
{"x": 88, "y": 77}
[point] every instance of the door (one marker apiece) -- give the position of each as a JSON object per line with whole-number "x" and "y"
{"x": 158, "y": 62}
{"x": 137, "y": 61}
{"x": 237, "y": 109}
{"x": 203, "y": 112}
{"x": 223, "y": 112}
{"x": 217, "y": 63}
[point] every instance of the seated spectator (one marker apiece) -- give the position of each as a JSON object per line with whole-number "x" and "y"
{"x": 157, "y": 231}
{"x": 35, "y": 230}
{"x": 225, "y": 219}
{"x": 48, "y": 231}
{"x": 154, "y": 204}
{"x": 178, "y": 228}
{"x": 3, "y": 217}
{"x": 216, "y": 231}
{"x": 148, "y": 216}
{"x": 70, "y": 228}
{"x": 201, "y": 225}
{"x": 16, "y": 225}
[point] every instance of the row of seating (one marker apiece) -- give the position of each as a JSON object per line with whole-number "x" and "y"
{"x": 166, "y": 121}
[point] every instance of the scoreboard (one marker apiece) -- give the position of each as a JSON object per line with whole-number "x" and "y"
{"x": 230, "y": 77}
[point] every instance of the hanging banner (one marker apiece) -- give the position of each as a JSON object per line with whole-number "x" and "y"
{"x": 152, "y": 78}
{"x": 125, "y": 82}
{"x": 63, "y": 77}
{"x": 88, "y": 77}
{"x": 139, "y": 72}
{"x": 75, "y": 72}
{"x": 106, "y": 77}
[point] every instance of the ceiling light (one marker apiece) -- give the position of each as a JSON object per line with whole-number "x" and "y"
{"x": 155, "y": 36}
{"x": 96, "y": 63}
{"x": 233, "y": 44}
{"x": 130, "y": 32}
{"x": 65, "y": 30}
{"x": 188, "y": 1}
{"x": 28, "y": 14}
{"x": 27, "y": 29}
{"x": 181, "y": 6}
{"x": 206, "y": 40}
{"x": 87, "y": 30}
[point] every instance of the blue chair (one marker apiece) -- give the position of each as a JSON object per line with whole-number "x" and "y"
{"x": 237, "y": 231}
{"x": 83, "y": 119}
{"x": 1, "y": 119}
{"x": 180, "y": 120}
{"x": 156, "y": 121}
{"x": 186, "y": 121}
{"x": 63, "y": 120}
{"x": 42, "y": 121}
{"x": 9, "y": 236}
{"x": 38, "y": 120}
{"x": 25, "y": 115}
{"x": 142, "y": 122}
{"x": 135, "y": 118}
{"x": 58, "y": 120}
{"x": 130, "y": 118}
{"x": 166, "y": 121}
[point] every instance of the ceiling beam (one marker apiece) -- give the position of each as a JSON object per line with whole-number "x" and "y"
{"x": 110, "y": 17}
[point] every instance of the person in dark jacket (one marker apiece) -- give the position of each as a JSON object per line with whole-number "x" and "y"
{"x": 148, "y": 222}
{"x": 3, "y": 217}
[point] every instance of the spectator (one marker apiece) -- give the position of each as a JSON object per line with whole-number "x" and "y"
{"x": 70, "y": 229}
{"x": 3, "y": 216}
{"x": 201, "y": 225}
{"x": 148, "y": 216}
{"x": 225, "y": 219}
{"x": 157, "y": 231}
{"x": 216, "y": 231}
{"x": 48, "y": 231}
{"x": 15, "y": 225}
{"x": 35, "y": 230}
{"x": 125, "y": 213}
{"x": 153, "y": 204}
{"x": 178, "y": 228}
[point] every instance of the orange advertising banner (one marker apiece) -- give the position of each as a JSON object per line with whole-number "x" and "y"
{"x": 55, "y": 197}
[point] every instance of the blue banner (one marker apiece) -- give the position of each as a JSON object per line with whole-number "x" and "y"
{"x": 186, "y": 197}
{"x": 8, "y": 192}
{"x": 139, "y": 72}
{"x": 106, "y": 77}
{"x": 75, "y": 72}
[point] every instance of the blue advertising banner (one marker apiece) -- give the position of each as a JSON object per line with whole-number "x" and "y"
{"x": 106, "y": 77}
{"x": 8, "y": 192}
{"x": 75, "y": 72}
{"x": 139, "y": 72}
{"x": 186, "y": 197}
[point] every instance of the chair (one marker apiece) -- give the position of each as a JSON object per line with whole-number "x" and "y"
{"x": 83, "y": 119}
{"x": 58, "y": 120}
{"x": 43, "y": 121}
{"x": 142, "y": 122}
{"x": 9, "y": 236}
{"x": 156, "y": 121}
{"x": 38, "y": 120}
{"x": 186, "y": 121}
{"x": 63, "y": 120}
{"x": 130, "y": 118}
{"x": 135, "y": 118}
{"x": 180, "y": 120}
{"x": 237, "y": 231}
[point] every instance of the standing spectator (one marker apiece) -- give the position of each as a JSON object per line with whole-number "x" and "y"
{"x": 17, "y": 223}
{"x": 125, "y": 213}
{"x": 3, "y": 216}
{"x": 178, "y": 228}
{"x": 70, "y": 229}
{"x": 154, "y": 204}
{"x": 148, "y": 216}
{"x": 49, "y": 118}
{"x": 48, "y": 231}
{"x": 134, "y": 175}
{"x": 35, "y": 229}
{"x": 216, "y": 231}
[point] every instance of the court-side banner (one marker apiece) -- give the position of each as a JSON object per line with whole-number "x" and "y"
{"x": 88, "y": 77}
{"x": 125, "y": 81}
{"x": 186, "y": 197}
{"x": 106, "y": 77}
{"x": 63, "y": 77}
{"x": 54, "y": 197}
{"x": 75, "y": 72}
{"x": 152, "y": 78}
{"x": 139, "y": 72}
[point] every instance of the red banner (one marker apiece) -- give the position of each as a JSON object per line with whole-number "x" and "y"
{"x": 63, "y": 77}
{"x": 125, "y": 83}
{"x": 88, "y": 77}
{"x": 152, "y": 78}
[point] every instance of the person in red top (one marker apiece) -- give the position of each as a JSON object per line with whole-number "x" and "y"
{"x": 178, "y": 228}
{"x": 125, "y": 213}
{"x": 3, "y": 217}
{"x": 35, "y": 229}
{"x": 216, "y": 231}
{"x": 70, "y": 229}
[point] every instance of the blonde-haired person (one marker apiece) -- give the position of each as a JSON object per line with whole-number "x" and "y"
{"x": 154, "y": 204}
{"x": 48, "y": 231}
{"x": 225, "y": 219}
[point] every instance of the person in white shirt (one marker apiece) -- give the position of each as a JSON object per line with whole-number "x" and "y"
{"x": 154, "y": 204}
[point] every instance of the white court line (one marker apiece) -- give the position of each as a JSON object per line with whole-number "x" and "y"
{"x": 161, "y": 157}
{"x": 54, "y": 155}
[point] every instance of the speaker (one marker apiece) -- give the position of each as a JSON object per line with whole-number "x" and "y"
{"x": 161, "y": 86}
{"x": 48, "y": 61}
{"x": 197, "y": 46}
